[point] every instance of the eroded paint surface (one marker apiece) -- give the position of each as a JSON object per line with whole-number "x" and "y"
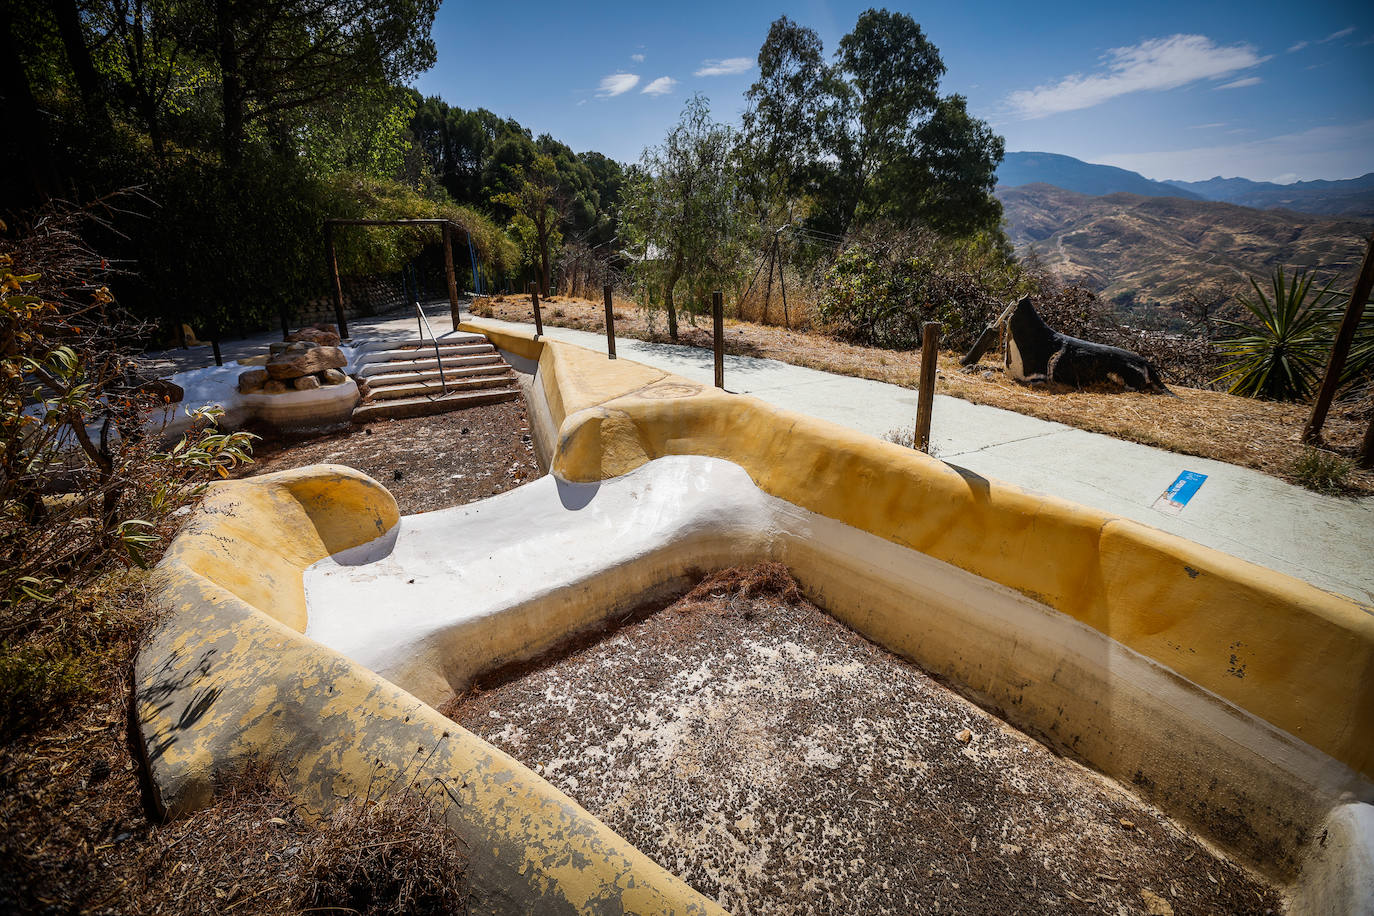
{"x": 1309, "y": 660}
{"x": 229, "y": 676}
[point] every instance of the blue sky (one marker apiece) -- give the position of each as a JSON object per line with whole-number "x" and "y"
{"x": 1186, "y": 90}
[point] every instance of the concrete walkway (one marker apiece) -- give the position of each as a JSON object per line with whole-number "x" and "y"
{"x": 1324, "y": 540}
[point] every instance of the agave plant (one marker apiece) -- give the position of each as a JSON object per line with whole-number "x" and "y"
{"x": 1280, "y": 353}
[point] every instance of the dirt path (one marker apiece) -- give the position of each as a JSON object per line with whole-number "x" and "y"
{"x": 782, "y": 764}
{"x": 427, "y": 463}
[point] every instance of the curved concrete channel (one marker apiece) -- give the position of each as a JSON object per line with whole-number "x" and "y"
{"x": 312, "y": 623}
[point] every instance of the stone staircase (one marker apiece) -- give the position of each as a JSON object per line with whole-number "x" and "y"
{"x": 403, "y": 379}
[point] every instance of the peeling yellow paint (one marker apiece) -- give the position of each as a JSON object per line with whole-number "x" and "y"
{"x": 1310, "y": 668}
{"x": 230, "y": 676}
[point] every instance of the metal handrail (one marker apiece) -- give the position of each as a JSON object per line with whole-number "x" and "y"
{"x": 424, "y": 326}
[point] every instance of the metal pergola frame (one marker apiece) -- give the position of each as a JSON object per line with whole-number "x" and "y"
{"x": 447, "y": 225}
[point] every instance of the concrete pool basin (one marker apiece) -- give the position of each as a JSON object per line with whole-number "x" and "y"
{"x": 311, "y": 622}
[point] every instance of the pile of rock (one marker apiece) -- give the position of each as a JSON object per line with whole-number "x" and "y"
{"x": 326, "y": 335}
{"x": 298, "y": 365}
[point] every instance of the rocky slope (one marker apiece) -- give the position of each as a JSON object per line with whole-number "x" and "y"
{"x": 1157, "y": 248}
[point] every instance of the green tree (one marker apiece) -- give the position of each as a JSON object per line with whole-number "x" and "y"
{"x": 792, "y": 116}
{"x": 539, "y": 202}
{"x": 907, "y": 153}
{"x": 869, "y": 138}
{"x": 280, "y": 58}
{"x": 682, "y": 210}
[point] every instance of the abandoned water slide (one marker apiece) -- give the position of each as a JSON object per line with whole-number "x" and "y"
{"x": 314, "y": 624}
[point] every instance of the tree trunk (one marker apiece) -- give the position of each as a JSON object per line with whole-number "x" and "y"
{"x": 79, "y": 56}
{"x": 231, "y": 82}
{"x": 668, "y": 296}
{"x": 23, "y": 120}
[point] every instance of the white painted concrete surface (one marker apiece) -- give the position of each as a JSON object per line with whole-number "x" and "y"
{"x": 446, "y": 595}
{"x": 1323, "y": 540}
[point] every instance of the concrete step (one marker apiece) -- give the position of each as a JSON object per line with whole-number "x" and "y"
{"x": 414, "y": 363}
{"x": 453, "y": 369}
{"x": 403, "y": 354}
{"x": 449, "y": 340}
{"x": 423, "y": 406}
{"x": 435, "y": 388}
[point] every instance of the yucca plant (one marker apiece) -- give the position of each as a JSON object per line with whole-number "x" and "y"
{"x": 1282, "y": 351}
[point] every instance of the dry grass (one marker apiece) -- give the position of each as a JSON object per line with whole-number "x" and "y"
{"x": 77, "y": 839}
{"x": 1209, "y": 424}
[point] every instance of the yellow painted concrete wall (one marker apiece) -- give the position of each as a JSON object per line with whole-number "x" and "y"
{"x": 229, "y": 676}
{"x": 1296, "y": 656}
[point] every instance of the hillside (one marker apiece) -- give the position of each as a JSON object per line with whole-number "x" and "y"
{"x": 1353, "y": 197}
{"x": 1022, "y": 168}
{"x": 1156, "y": 248}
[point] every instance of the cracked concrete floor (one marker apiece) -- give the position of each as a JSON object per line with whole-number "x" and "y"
{"x": 782, "y": 764}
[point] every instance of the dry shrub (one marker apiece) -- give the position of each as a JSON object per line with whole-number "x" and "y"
{"x": 748, "y": 582}
{"x": 254, "y": 849}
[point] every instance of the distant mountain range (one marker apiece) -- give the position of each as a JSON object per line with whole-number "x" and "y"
{"x": 1350, "y": 197}
{"x": 1155, "y": 248}
{"x": 1353, "y": 197}
{"x": 1084, "y": 177}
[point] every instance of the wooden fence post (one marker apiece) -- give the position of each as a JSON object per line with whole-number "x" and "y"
{"x": 1312, "y": 432}
{"x": 454, "y": 310}
{"x": 334, "y": 276}
{"x": 718, "y": 344}
{"x": 610, "y": 321}
{"x": 538, "y": 319}
{"x": 930, "y": 357}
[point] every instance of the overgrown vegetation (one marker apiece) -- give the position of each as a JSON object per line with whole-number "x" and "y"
{"x": 885, "y": 285}
{"x": 88, "y": 498}
{"x": 1281, "y": 346}
{"x": 1322, "y": 470}
{"x": 242, "y": 126}
{"x": 83, "y": 481}
{"x": 826, "y": 151}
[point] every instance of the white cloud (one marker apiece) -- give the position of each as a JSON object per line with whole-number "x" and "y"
{"x": 1241, "y": 83}
{"x": 661, "y": 86}
{"x": 1214, "y": 124}
{"x": 1348, "y": 30}
{"x": 1299, "y": 46}
{"x": 727, "y": 67}
{"x": 1321, "y": 152}
{"x": 617, "y": 84}
{"x": 637, "y": 58}
{"x": 1153, "y": 65}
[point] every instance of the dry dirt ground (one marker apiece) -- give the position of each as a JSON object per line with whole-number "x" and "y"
{"x": 782, "y": 764}
{"x": 427, "y": 463}
{"x": 76, "y": 838}
{"x": 1257, "y": 434}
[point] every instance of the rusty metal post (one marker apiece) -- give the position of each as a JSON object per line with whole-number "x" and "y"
{"x": 454, "y": 310}
{"x": 538, "y": 319}
{"x": 334, "y": 276}
{"x": 718, "y": 335}
{"x": 925, "y": 400}
{"x": 610, "y": 321}
{"x": 1354, "y": 310}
